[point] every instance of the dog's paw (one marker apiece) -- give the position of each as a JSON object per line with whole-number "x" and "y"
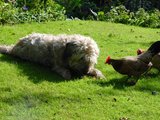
{"x": 66, "y": 75}
{"x": 96, "y": 73}
{"x": 99, "y": 75}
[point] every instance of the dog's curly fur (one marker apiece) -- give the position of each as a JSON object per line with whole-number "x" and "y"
{"x": 65, "y": 54}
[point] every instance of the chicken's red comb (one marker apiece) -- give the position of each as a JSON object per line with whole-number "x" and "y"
{"x": 107, "y": 59}
{"x": 139, "y": 51}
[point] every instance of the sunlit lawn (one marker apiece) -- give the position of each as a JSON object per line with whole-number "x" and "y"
{"x": 32, "y": 92}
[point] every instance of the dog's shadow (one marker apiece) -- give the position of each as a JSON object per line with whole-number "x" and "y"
{"x": 35, "y": 72}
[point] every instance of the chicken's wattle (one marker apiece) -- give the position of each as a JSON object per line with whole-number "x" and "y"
{"x": 108, "y": 60}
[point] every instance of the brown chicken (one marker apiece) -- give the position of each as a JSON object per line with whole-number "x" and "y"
{"x": 135, "y": 65}
{"x": 155, "y": 60}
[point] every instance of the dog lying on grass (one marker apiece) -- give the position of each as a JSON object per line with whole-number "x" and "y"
{"x": 67, "y": 55}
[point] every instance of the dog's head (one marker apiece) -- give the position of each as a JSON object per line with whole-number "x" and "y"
{"x": 81, "y": 56}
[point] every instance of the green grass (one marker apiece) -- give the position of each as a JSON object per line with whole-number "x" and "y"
{"x": 32, "y": 92}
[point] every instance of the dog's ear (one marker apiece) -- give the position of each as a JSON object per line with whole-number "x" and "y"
{"x": 69, "y": 50}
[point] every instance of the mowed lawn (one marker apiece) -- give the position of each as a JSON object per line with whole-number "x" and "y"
{"x": 29, "y": 91}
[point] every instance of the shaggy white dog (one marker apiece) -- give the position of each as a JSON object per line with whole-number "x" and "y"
{"x": 67, "y": 55}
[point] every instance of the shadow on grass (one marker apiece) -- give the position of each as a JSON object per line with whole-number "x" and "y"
{"x": 155, "y": 73}
{"x": 150, "y": 82}
{"x": 117, "y": 83}
{"x": 35, "y": 72}
{"x": 121, "y": 83}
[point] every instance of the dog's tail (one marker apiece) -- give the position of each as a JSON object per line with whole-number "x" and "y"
{"x": 4, "y": 49}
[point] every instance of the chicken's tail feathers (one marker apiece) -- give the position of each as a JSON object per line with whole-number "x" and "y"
{"x": 108, "y": 60}
{"x": 155, "y": 47}
{"x": 4, "y": 49}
